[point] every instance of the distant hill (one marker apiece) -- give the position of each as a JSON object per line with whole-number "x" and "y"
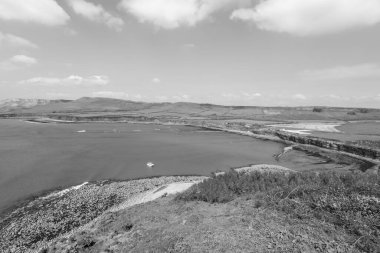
{"x": 87, "y": 104}
{"x": 8, "y": 105}
{"x": 98, "y": 105}
{"x": 21, "y": 104}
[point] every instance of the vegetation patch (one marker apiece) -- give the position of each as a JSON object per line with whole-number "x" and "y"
{"x": 349, "y": 200}
{"x": 367, "y": 143}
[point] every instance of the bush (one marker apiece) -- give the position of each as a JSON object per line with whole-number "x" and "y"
{"x": 349, "y": 200}
{"x": 228, "y": 186}
{"x": 316, "y": 109}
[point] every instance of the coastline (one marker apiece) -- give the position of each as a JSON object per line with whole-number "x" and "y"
{"x": 56, "y": 191}
{"x": 360, "y": 153}
{"x": 59, "y": 213}
{"x": 276, "y": 135}
{"x": 44, "y": 219}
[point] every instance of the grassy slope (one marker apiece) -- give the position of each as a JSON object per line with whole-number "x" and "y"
{"x": 107, "y": 105}
{"x": 302, "y": 212}
{"x": 237, "y": 226}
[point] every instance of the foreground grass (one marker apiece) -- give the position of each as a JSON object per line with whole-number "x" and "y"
{"x": 347, "y": 200}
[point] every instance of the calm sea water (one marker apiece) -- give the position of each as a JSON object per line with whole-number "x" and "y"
{"x": 36, "y": 157}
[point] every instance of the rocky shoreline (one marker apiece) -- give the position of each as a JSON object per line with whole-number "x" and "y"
{"x": 43, "y": 219}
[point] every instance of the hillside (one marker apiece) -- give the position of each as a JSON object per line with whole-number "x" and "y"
{"x": 11, "y": 105}
{"x": 244, "y": 212}
{"x": 108, "y": 106}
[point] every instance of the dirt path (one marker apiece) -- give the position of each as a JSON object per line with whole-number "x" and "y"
{"x": 154, "y": 194}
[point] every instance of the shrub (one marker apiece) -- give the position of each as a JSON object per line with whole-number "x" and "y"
{"x": 350, "y": 200}
{"x": 317, "y": 109}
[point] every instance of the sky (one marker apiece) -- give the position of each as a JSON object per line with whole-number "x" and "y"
{"x": 231, "y": 52}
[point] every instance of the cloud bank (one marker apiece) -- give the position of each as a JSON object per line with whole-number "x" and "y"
{"x": 73, "y": 80}
{"x": 96, "y": 13}
{"x": 171, "y": 14}
{"x": 46, "y": 12}
{"x": 297, "y": 17}
{"x": 23, "y": 59}
{"x": 311, "y": 17}
{"x": 17, "y": 62}
{"x": 11, "y": 40}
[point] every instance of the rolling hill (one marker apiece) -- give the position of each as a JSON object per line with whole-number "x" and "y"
{"x": 109, "y": 106}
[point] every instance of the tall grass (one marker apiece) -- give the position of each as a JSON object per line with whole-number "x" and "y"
{"x": 349, "y": 200}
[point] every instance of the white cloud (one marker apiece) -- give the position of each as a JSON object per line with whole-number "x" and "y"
{"x": 311, "y": 17}
{"x": 243, "y": 14}
{"x": 11, "y": 40}
{"x": 299, "y": 97}
{"x": 111, "y": 94}
{"x": 17, "y": 62}
{"x": 251, "y": 95}
{"x": 171, "y": 14}
{"x": 96, "y": 13}
{"x": 367, "y": 70}
{"x": 46, "y": 12}
{"x": 98, "y": 80}
{"x": 180, "y": 98}
{"x": 156, "y": 80}
{"x": 73, "y": 80}
{"x": 189, "y": 45}
{"x": 43, "y": 81}
{"x": 231, "y": 96}
{"x": 23, "y": 59}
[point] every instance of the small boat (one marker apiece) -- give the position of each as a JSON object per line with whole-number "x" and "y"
{"x": 81, "y": 131}
{"x": 150, "y": 164}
